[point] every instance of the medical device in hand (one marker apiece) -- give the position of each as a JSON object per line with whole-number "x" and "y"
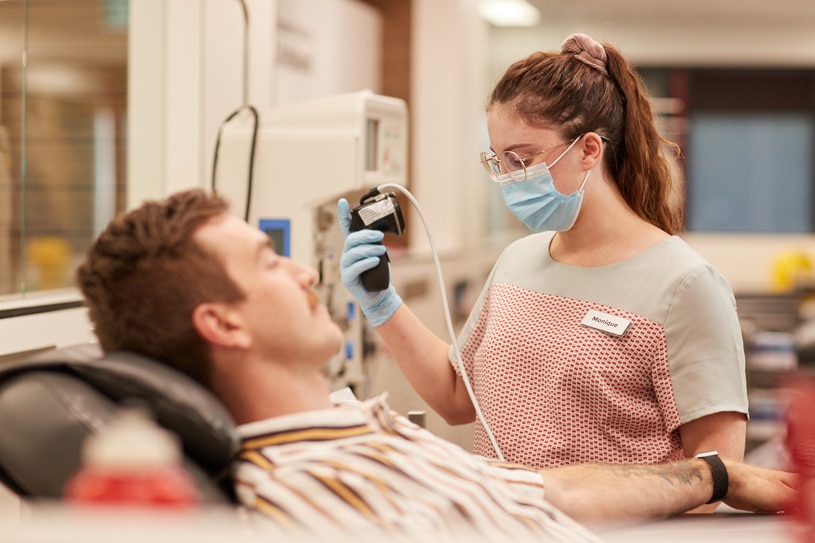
{"x": 390, "y": 218}
{"x": 378, "y": 211}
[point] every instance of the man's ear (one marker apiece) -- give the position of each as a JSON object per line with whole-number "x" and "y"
{"x": 220, "y": 325}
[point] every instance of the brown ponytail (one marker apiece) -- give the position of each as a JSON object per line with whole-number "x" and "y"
{"x": 589, "y": 87}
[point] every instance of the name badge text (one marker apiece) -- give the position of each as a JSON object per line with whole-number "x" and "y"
{"x": 610, "y": 324}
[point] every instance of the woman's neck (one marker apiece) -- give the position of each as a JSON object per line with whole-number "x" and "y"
{"x": 607, "y": 231}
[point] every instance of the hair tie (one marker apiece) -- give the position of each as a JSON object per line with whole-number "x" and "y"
{"x": 587, "y": 50}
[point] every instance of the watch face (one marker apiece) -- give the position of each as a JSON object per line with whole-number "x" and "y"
{"x": 709, "y": 453}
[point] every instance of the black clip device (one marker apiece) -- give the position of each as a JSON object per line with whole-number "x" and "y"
{"x": 378, "y": 211}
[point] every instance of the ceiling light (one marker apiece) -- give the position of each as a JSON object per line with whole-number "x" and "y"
{"x": 509, "y": 12}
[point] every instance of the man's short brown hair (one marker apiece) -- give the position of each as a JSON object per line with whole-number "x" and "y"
{"x": 144, "y": 275}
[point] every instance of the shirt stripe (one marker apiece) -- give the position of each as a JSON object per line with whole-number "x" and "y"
{"x": 358, "y": 467}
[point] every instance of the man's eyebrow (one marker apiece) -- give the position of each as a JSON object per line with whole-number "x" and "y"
{"x": 264, "y": 244}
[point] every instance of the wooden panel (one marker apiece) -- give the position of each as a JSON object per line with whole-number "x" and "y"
{"x": 396, "y": 43}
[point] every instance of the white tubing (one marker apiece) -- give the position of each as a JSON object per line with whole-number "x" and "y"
{"x": 447, "y": 317}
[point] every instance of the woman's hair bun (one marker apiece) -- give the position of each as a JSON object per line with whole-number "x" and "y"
{"x": 587, "y": 50}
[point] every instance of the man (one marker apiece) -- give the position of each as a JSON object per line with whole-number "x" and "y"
{"x": 182, "y": 281}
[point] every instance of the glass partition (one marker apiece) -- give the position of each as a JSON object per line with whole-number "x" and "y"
{"x": 63, "y": 103}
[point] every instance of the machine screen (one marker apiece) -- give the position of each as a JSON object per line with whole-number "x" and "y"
{"x": 371, "y": 140}
{"x": 279, "y": 230}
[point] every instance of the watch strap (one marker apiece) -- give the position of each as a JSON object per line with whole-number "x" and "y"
{"x": 718, "y": 471}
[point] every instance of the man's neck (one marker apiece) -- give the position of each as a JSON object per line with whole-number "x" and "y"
{"x": 268, "y": 391}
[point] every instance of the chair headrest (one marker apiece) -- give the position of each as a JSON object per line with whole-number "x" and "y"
{"x": 52, "y": 401}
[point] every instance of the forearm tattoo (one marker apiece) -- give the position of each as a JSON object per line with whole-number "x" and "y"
{"x": 675, "y": 473}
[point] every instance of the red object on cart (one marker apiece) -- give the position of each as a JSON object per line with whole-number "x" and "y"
{"x": 801, "y": 447}
{"x": 133, "y": 462}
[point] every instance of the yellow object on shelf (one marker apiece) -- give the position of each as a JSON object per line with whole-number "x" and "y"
{"x": 50, "y": 258}
{"x": 791, "y": 269}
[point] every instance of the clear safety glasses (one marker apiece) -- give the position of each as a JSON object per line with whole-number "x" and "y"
{"x": 511, "y": 163}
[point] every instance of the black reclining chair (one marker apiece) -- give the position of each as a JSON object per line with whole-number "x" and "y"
{"x": 50, "y": 403}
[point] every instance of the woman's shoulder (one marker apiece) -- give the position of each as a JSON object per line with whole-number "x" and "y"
{"x": 680, "y": 252}
{"x": 678, "y": 260}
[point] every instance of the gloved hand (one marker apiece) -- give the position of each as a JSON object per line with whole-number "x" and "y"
{"x": 361, "y": 253}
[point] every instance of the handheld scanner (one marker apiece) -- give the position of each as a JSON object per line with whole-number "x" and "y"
{"x": 378, "y": 212}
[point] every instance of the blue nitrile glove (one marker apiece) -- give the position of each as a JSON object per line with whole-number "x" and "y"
{"x": 361, "y": 253}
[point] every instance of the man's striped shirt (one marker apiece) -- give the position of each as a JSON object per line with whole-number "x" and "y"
{"x": 360, "y": 466}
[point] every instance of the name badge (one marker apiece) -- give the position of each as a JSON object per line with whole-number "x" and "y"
{"x": 604, "y": 322}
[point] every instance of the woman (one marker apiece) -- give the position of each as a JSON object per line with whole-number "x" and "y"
{"x": 603, "y": 337}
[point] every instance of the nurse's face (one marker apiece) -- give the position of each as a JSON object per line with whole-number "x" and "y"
{"x": 512, "y": 139}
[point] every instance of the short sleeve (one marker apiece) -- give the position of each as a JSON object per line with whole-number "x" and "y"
{"x": 705, "y": 347}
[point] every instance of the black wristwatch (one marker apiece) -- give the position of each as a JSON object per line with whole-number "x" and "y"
{"x": 719, "y": 472}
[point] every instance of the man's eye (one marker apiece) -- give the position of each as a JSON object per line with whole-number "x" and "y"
{"x": 269, "y": 259}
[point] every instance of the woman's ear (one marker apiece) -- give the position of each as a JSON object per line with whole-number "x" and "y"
{"x": 592, "y": 150}
{"x": 220, "y": 325}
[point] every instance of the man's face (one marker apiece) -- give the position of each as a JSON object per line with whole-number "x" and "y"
{"x": 283, "y": 315}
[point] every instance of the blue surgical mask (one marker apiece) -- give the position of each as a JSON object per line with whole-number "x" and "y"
{"x": 536, "y": 201}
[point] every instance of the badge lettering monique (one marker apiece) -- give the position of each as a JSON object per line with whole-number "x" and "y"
{"x": 610, "y": 324}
